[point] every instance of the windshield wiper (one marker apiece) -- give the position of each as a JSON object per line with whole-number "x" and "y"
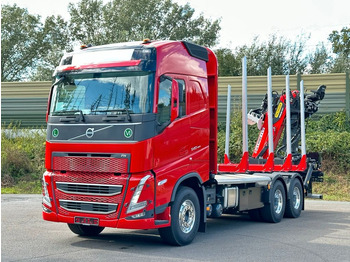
{"x": 114, "y": 116}
{"x": 69, "y": 115}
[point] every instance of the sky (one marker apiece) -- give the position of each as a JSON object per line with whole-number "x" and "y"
{"x": 241, "y": 21}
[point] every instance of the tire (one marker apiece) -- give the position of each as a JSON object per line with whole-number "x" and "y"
{"x": 296, "y": 199}
{"x": 185, "y": 217}
{"x": 83, "y": 230}
{"x": 273, "y": 212}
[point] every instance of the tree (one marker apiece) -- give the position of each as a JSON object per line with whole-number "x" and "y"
{"x": 320, "y": 61}
{"x": 55, "y": 42}
{"x": 297, "y": 60}
{"x": 279, "y": 53}
{"x": 124, "y": 20}
{"x": 87, "y": 23}
{"x": 341, "y": 41}
{"x": 229, "y": 65}
{"x": 341, "y": 46}
{"x": 21, "y": 42}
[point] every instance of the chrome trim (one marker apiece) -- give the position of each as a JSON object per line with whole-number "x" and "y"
{"x": 108, "y": 205}
{"x": 85, "y": 193}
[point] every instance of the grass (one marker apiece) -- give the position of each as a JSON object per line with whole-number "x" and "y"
{"x": 334, "y": 187}
{"x": 32, "y": 187}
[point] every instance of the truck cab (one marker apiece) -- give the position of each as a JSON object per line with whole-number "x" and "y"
{"x": 128, "y": 126}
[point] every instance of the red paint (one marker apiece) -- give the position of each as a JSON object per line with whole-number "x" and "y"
{"x": 187, "y": 145}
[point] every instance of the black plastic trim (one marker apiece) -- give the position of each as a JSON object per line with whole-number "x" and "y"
{"x": 197, "y": 51}
{"x": 161, "y": 209}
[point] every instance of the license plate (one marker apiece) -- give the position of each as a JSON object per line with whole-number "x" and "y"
{"x": 86, "y": 221}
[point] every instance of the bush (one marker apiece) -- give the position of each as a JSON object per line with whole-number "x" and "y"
{"x": 22, "y": 155}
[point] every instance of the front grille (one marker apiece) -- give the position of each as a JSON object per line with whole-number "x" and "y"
{"x": 89, "y": 189}
{"x": 88, "y": 207}
{"x": 90, "y": 164}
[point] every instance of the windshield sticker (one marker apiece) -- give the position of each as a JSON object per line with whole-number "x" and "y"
{"x": 128, "y": 133}
{"x": 55, "y": 132}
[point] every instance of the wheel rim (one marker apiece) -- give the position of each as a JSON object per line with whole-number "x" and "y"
{"x": 187, "y": 216}
{"x": 296, "y": 198}
{"x": 278, "y": 203}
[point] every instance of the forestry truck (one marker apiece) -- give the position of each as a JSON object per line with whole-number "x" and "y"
{"x": 132, "y": 143}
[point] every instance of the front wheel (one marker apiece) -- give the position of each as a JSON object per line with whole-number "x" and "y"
{"x": 185, "y": 216}
{"x": 296, "y": 199}
{"x": 83, "y": 230}
{"x": 273, "y": 212}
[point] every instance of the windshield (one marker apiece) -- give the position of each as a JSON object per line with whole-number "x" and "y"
{"x": 103, "y": 93}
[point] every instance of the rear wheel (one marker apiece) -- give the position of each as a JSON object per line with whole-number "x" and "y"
{"x": 185, "y": 216}
{"x": 296, "y": 199}
{"x": 273, "y": 212}
{"x": 83, "y": 230}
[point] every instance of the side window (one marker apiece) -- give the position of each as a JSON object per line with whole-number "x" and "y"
{"x": 182, "y": 97}
{"x": 164, "y": 100}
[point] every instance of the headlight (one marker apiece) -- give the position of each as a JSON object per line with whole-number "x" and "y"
{"x": 134, "y": 204}
{"x": 46, "y": 196}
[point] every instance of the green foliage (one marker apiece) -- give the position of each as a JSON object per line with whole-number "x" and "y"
{"x": 56, "y": 41}
{"x": 341, "y": 46}
{"x": 320, "y": 61}
{"x": 30, "y": 49}
{"x": 229, "y": 65}
{"x": 341, "y": 41}
{"x": 284, "y": 57}
{"x": 22, "y": 156}
{"x": 338, "y": 122}
{"x": 21, "y": 38}
{"x": 123, "y": 21}
{"x": 330, "y": 136}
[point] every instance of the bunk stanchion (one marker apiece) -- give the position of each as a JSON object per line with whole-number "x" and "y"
{"x": 244, "y": 163}
{"x": 228, "y": 120}
{"x": 269, "y": 165}
{"x": 302, "y": 166}
{"x": 287, "y": 165}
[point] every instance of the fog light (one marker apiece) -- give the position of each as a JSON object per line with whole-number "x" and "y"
{"x": 139, "y": 215}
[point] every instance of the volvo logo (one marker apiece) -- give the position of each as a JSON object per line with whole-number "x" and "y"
{"x": 89, "y": 132}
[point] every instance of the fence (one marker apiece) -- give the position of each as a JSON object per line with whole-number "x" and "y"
{"x": 26, "y": 102}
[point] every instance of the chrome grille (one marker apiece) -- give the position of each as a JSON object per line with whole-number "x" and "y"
{"x": 89, "y": 189}
{"x": 88, "y": 207}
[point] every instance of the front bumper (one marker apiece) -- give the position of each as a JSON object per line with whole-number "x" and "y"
{"x": 64, "y": 191}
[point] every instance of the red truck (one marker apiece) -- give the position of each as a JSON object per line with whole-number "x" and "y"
{"x": 132, "y": 143}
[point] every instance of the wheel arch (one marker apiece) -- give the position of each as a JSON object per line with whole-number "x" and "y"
{"x": 194, "y": 181}
{"x": 275, "y": 177}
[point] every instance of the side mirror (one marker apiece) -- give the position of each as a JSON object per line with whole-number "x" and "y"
{"x": 174, "y": 100}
